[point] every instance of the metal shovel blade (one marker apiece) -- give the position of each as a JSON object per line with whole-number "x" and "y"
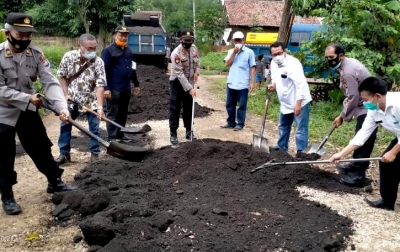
{"x": 314, "y": 149}
{"x": 260, "y": 144}
{"x": 136, "y": 130}
{"x": 126, "y": 152}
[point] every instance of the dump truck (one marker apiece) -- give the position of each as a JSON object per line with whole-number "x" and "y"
{"x": 147, "y": 38}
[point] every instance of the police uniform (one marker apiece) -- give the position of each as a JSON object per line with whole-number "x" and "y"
{"x": 184, "y": 67}
{"x": 18, "y": 72}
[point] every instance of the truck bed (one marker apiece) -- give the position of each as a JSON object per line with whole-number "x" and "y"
{"x": 145, "y": 29}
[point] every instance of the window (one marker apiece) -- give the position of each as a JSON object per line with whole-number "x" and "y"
{"x": 298, "y": 37}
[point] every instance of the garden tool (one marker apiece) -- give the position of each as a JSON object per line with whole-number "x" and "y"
{"x": 129, "y": 130}
{"x": 259, "y": 142}
{"x": 326, "y": 161}
{"x": 319, "y": 149}
{"x": 126, "y": 152}
{"x": 192, "y": 122}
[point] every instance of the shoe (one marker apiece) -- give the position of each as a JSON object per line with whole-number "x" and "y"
{"x": 379, "y": 204}
{"x": 174, "y": 138}
{"x": 9, "y": 205}
{"x": 63, "y": 158}
{"x": 94, "y": 158}
{"x": 227, "y": 126}
{"x": 354, "y": 179}
{"x": 237, "y": 128}
{"x": 275, "y": 148}
{"x": 58, "y": 185}
{"x": 190, "y": 134}
{"x": 345, "y": 168}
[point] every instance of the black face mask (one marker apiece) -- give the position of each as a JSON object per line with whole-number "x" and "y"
{"x": 19, "y": 44}
{"x": 186, "y": 45}
{"x": 334, "y": 63}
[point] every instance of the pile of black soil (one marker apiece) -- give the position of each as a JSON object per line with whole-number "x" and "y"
{"x": 307, "y": 156}
{"x": 202, "y": 197}
{"x": 153, "y": 101}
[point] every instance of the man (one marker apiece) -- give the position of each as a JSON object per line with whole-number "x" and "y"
{"x": 241, "y": 61}
{"x": 383, "y": 109}
{"x": 260, "y": 70}
{"x": 291, "y": 85}
{"x": 352, "y": 73}
{"x": 184, "y": 74}
{"x": 20, "y": 64}
{"x": 82, "y": 77}
{"x": 120, "y": 72}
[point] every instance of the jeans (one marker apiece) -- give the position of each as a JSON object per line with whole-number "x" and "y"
{"x": 117, "y": 111}
{"x": 234, "y": 97}
{"x": 64, "y": 141}
{"x": 285, "y": 126}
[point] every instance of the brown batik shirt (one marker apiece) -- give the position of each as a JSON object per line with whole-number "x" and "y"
{"x": 83, "y": 88}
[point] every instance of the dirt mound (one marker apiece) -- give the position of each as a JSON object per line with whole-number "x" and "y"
{"x": 202, "y": 197}
{"x": 308, "y": 156}
{"x": 153, "y": 101}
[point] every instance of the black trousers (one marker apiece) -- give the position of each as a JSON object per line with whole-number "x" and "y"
{"x": 117, "y": 111}
{"x": 389, "y": 174}
{"x": 365, "y": 150}
{"x": 179, "y": 99}
{"x": 34, "y": 140}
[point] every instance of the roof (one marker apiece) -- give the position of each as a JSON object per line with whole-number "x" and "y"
{"x": 259, "y": 13}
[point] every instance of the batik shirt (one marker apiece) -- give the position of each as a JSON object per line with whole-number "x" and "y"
{"x": 83, "y": 88}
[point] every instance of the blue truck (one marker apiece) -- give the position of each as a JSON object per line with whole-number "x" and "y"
{"x": 147, "y": 38}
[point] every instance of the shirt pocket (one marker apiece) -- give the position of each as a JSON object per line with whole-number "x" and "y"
{"x": 11, "y": 79}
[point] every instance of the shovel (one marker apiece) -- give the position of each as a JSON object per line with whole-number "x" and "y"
{"x": 319, "y": 149}
{"x": 146, "y": 128}
{"x": 259, "y": 142}
{"x": 126, "y": 152}
{"x": 326, "y": 161}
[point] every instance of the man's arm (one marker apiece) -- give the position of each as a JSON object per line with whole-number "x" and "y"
{"x": 106, "y": 57}
{"x": 11, "y": 96}
{"x": 396, "y": 119}
{"x": 230, "y": 57}
{"x": 177, "y": 68}
{"x": 353, "y": 98}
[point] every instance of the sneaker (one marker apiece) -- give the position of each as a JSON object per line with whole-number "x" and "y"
{"x": 227, "y": 126}
{"x": 63, "y": 158}
{"x": 237, "y": 128}
{"x": 174, "y": 138}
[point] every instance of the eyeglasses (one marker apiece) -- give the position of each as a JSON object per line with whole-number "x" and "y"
{"x": 276, "y": 54}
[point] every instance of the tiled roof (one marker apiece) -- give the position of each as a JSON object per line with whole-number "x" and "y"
{"x": 258, "y": 13}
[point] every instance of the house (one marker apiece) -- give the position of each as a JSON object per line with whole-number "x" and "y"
{"x": 244, "y": 14}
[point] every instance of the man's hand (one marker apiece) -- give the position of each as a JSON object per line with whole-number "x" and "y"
{"x": 107, "y": 94}
{"x": 192, "y": 92}
{"x": 271, "y": 87}
{"x": 136, "y": 91}
{"x": 338, "y": 121}
{"x": 68, "y": 98}
{"x": 236, "y": 50}
{"x": 336, "y": 157}
{"x": 252, "y": 87}
{"x": 101, "y": 114}
{"x": 297, "y": 109}
{"x": 64, "y": 115}
{"x": 34, "y": 99}
{"x": 388, "y": 157}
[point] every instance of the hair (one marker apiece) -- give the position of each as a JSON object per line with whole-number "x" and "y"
{"x": 373, "y": 85}
{"x": 338, "y": 48}
{"x": 277, "y": 44}
{"x": 260, "y": 57}
{"x": 86, "y": 37}
{"x": 8, "y": 27}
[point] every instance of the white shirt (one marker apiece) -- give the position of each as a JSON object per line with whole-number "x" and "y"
{"x": 389, "y": 119}
{"x": 292, "y": 88}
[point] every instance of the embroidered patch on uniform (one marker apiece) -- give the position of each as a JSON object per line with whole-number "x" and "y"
{"x": 45, "y": 61}
{"x": 28, "y": 51}
{"x": 8, "y": 52}
{"x": 177, "y": 59}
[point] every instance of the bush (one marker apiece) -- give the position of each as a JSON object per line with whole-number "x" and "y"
{"x": 214, "y": 61}
{"x": 54, "y": 54}
{"x": 2, "y": 36}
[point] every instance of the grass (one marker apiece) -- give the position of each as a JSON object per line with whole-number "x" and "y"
{"x": 214, "y": 61}
{"x": 322, "y": 115}
{"x": 54, "y": 54}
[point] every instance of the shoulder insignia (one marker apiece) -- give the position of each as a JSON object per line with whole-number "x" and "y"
{"x": 27, "y": 51}
{"x": 45, "y": 61}
{"x": 177, "y": 59}
{"x": 35, "y": 48}
{"x": 8, "y": 52}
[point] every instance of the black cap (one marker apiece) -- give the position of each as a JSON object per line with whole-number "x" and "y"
{"x": 186, "y": 33}
{"x": 21, "y": 22}
{"x": 122, "y": 29}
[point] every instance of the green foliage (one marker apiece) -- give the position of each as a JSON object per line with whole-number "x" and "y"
{"x": 2, "y": 36}
{"x": 337, "y": 96}
{"x": 214, "y": 61}
{"x": 256, "y": 29}
{"x": 368, "y": 29}
{"x": 54, "y": 54}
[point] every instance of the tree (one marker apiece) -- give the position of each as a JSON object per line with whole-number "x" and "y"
{"x": 81, "y": 7}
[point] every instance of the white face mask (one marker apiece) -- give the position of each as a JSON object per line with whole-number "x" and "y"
{"x": 239, "y": 46}
{"x": 279, "y": 59}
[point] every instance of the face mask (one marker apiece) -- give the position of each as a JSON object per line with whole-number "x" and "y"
{"x": 89, "y": 55}
{"x": 334, "y": 63}
{"x": 19, "y": 44}
{"x": 186, "y": 45}
{"x": 239, "y": 46}
{"x": 279, "y": 59}
{"x": 120, "y": 43}
{"x": 370, "y": 106}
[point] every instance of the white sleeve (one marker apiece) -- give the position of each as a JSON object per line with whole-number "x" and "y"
{"x": 396, "y": 115}
{"x": 365, "y": 132}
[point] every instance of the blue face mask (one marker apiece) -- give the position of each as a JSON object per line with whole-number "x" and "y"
{"x": 370, "y": 106}
{"x": 89, "y": 55}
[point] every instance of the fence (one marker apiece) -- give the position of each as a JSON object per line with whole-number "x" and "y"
{"x": 43, "y": 41}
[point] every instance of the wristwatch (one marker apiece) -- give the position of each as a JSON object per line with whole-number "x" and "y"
{"x": 99, "y": 108}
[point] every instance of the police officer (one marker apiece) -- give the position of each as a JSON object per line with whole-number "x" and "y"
{"x": 184, "y": 74}
{"x": 20, "y": 64}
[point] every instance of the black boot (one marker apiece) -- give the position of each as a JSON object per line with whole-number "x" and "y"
{"x": 57, "y": 185}
{"x": 174, "y": 137}
{"x": 354, "y": 178}
{"x": 9, "y": 205}
{"x": 63, "y": 158}
{"x": 345, "y": 168}
{"x": 379, "y": 204}
{"x": 189, "y": 134}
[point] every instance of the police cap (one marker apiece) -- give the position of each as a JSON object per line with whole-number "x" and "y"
{"x": 21, "y": 22}
{"x": 186, "y": 33}
{"x": 121, "y": 29}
